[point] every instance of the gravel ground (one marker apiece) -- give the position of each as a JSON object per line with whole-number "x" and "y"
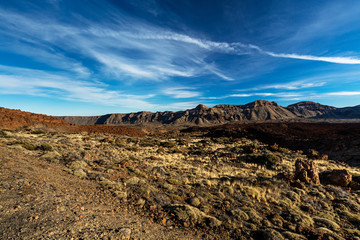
{"x": 38, "y": 200}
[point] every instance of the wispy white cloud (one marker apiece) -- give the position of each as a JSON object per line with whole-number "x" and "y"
{"x": 23, "y": 81}
{"x": 181, "y": 92}
{"x": 261, "y": 94}
{"x": 294, "y": 85}
{"x": 39, "y": 83}
{"x": 221, "y": 75}
{"x": 344, "y": 93}
{"x": 240, "y": 48}
{"x": 173, "y": 71}
{"x": 142, "y": 52}
{"x": 340, "y": 60}
{"x": 120, "y": 66}
{"x": 239, "y": 95}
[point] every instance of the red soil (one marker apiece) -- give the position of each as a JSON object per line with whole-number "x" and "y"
{"x": 12, "y": 119}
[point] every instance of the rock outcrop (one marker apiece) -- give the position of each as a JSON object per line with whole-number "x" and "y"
{"x": 306, "y": 171}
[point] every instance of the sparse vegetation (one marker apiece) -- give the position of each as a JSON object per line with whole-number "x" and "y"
{"x": 268, "y": 159}
{"x": 233, "y": 188}
{"x": 3, "y": 134}
{"x": 38, "y": 131}
{"x": 168, "y": 144}
{"x": 28, "y": 146}
{"x": 44, "y": 147}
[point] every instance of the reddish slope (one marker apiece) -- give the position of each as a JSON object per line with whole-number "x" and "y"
{"x": 11, "y": 119}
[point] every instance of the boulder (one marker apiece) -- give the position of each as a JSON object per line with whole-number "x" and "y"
{"x": 124, "y": 234}
{"x": 355, "y": 186}
{"x": 337, "y": 177}
{"x": 306, "y": 171}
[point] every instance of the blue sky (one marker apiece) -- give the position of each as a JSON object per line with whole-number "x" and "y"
{"x": 63, "y": 57}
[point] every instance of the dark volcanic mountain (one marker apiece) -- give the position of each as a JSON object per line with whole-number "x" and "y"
{"x": 346, "y": 113}
{"x": 308, "y": 109}
{"x": 259, "y": 110}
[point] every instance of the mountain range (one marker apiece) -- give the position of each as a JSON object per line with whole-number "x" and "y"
{"x": 259, "y": 110}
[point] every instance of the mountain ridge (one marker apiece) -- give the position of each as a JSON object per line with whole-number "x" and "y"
{"x": 259, "y": 110}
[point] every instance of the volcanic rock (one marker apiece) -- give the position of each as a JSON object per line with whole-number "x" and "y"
{"x": 306, "y": 171}
{"x": 337, "y": 177}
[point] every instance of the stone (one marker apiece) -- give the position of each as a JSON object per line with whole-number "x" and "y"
{"x": 124, "y": 234}
{"x": 80, "y": 173}
{"x": 141, "y": 202}
{"x": 77, "y": 164}
{"x": 132, "y": 181}
{"x": 355, "y": 186}
{"x": 121, "y": 194}
{"x": 306, "y": 171}
{"x": 337, "y": 177}
{"x": 195, "y": 202}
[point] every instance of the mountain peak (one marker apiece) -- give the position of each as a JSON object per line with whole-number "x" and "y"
{"x": 201, "y": 107}
{"x": 260, "y": 103}
{"x": 305, "y": 103}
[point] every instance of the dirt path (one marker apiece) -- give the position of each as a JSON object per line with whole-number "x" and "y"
{"x": 39, "y": 200}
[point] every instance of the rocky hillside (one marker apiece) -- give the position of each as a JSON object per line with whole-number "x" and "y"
{"x": 255, "y": 111}
{"x": 308, "y": 109}
{"x": 11, "y": 119}
{"x": 347, "y": 112}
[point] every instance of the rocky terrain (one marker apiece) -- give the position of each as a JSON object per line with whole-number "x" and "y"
{"x": 340, "y": 141}
{"x": 59, "y": 185}
{"x": 236, "y": 181}
{"x": 259, "y": 110}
